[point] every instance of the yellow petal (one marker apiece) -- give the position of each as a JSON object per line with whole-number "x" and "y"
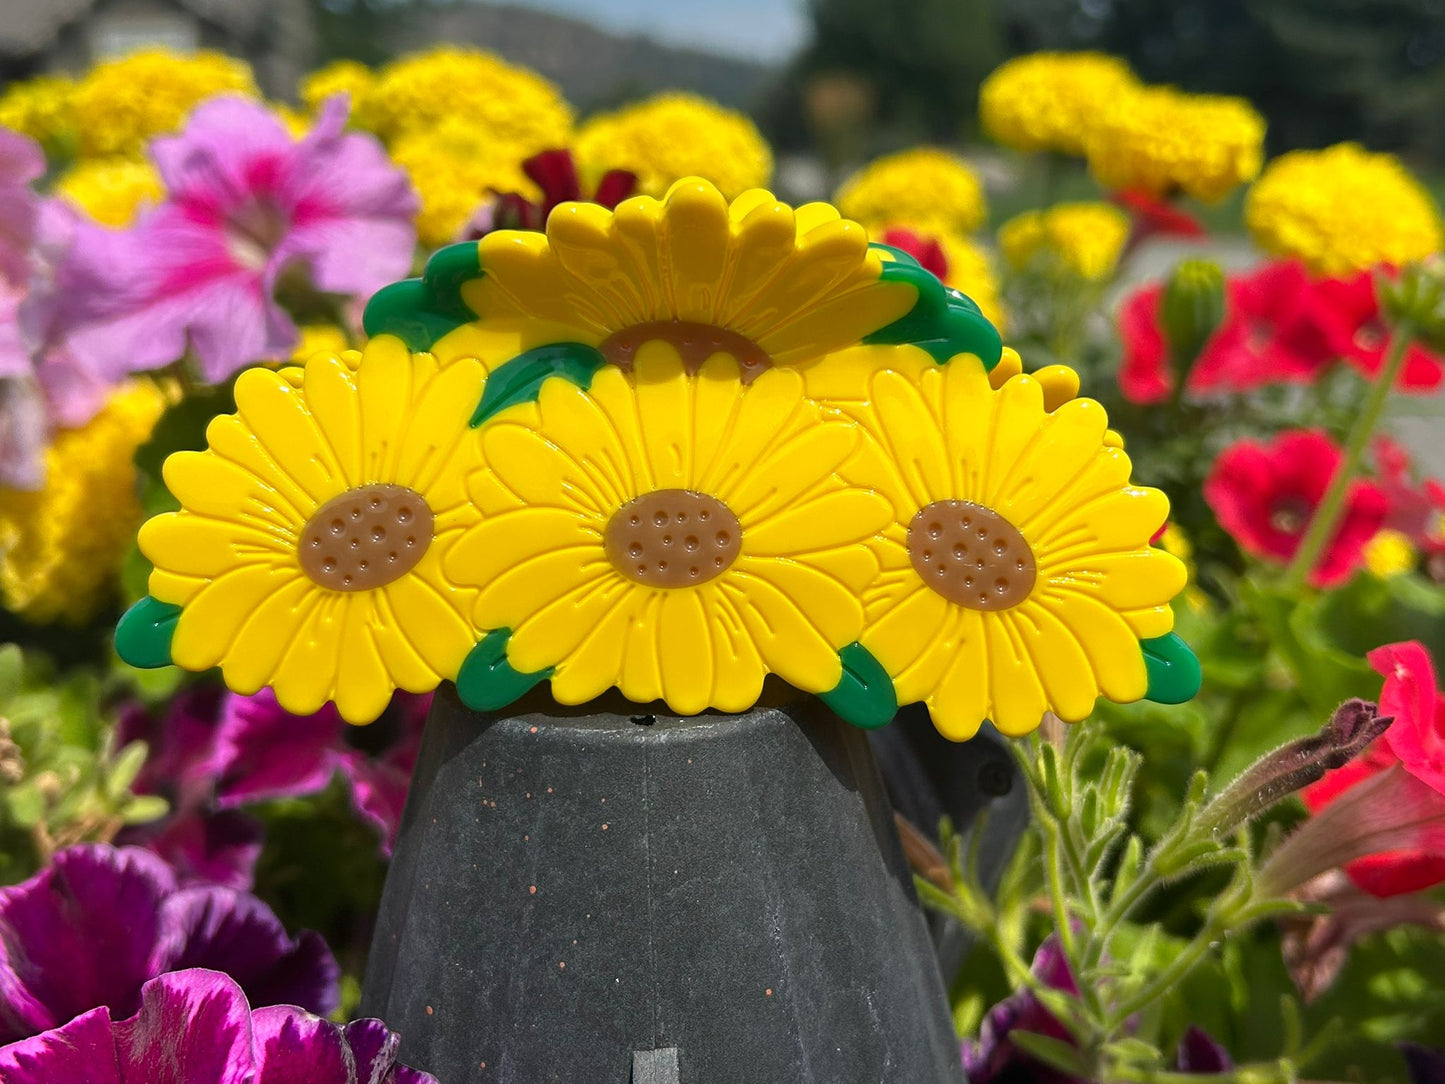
{"x": 664, "y": 408}
{"x": 1116, "y": 522}
{"x": 696, "y": 238}
{"x": 276, "y": 413}
{"x": 1060, "y": 384}
{"x": 524, "y": 589}
{"x": 853, "y": 566}
{"x": 329, "y": 388}
{"x": 539, "y": 472}
{"x": 1067, "y": 675}
{"x": 230, "y": 440}
{"x": 1017, "y": 693}
{"x": 306, "y": 678}
{"x": 384, "y": 384}
{"x": 576, "y": 422}
{"x": 438, "y": 423}
{"x": 581, "y": 238}
{"x": 212, "y": 486}
{"x": 792, "y": 469}
{"x": 401, "y": 657}
{"x": 596, "y": 664}
{"x": 792, "y": 646}
{"x": 191, "y": 545}
{"x": 829, "y": 605}
{"x": 432, "y": 618}
{"x": 363, "y": 685}
{"x": 498, "y": 544}
{"x": 1114, "y": 654}
{"x": 1047, "y": 460}
{"x": 1009, "y": 365}
{"x": 909, "y": 432}
{"x": 265, "y": 634}
{"x": 959, "y": 702}
{"x": 738, "y": 669}
{"x": 551, "y": 634}
{"x": 1124, "y": 581}
{"x": 684, "y": 649}
{"x": 641, "y": 680}
{"x": 834, "y": 519}
{"x": 771, "y": 406}
{"x": 210, "y": 622}
{"x": 899, "y": 637}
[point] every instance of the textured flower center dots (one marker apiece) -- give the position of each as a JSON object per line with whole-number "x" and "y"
{"x": 366, "y": 538}
{"x": 694, "y": 342}
{"x": 971, "y": 555}
{"x": 673, "y": 538}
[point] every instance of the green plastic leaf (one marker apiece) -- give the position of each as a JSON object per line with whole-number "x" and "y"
{"x": 143, "y": 636}
{"x": 864, "y": 695}
{"x": 1174, "y": 672}
{"x": 421, "y": 311}
{"x": 487, "y": 681}
{"x": 943, "y": 321}
{"x": 520, "y": 380}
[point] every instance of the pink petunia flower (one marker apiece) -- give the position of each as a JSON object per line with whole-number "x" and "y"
{"x": 245, "y": 204}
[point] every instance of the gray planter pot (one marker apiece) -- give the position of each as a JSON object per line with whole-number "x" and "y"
{"x": 613, "y": 897}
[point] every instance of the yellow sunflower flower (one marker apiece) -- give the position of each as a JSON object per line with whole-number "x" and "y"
{"x": 1048, "y": 101}
{"x": 1161, "y": 140}
{"x": 1085, "y": 239}
{"x": 509, "y": 105}
{"x": 673, "y": 532}
{"x": 307, "y": 554}
{"x": 128, "y": 101}
{"x": 113, "y": 191}
{"x": 754, "y": 279}
{"x": 1341, "y": 210}
{"x": 1017, "y": 575}
{"x": 350, "y": 77}
{"x": 61, "y": 547}
{"x": 672, "y": 136}
{"x": 923, "y": 189}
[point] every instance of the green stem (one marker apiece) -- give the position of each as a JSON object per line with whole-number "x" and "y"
{"x": 1327, "y": 517}
{"x": 1179, "y": 968}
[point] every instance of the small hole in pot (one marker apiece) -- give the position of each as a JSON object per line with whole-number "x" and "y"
{"x": 644, "y": 720}
{"x": 995, "y": 778}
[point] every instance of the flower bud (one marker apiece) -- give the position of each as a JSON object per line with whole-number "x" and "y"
{"x": 1416, "y": 294}
{"x": 1192, "y": 307}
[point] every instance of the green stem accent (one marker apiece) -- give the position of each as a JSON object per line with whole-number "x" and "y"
{"x": 1179, "y": 968}
{"x": 1327, "y": 517}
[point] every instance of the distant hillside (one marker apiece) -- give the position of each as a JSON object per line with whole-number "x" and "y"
{"x": 595, "y": 69}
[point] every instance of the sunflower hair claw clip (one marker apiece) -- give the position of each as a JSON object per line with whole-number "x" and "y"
{"x": 670, "y": 449}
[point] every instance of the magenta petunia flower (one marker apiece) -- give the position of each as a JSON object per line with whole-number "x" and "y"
{"x": 213, "y": 749}
{"x": 196, "y": 1026}
{"x": 21, "y": 163}
{"x": 245, "y": 203}
{"x": 94, "y": 927}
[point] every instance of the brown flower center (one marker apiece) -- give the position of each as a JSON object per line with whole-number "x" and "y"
{"x": 971, "y": 555}
{"x": 365, "y": 538}
{"x": 673, "y": 538}
{"x": 694, "y": 342}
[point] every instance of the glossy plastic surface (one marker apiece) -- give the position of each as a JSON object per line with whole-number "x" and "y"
{"x": 671, "y": 449}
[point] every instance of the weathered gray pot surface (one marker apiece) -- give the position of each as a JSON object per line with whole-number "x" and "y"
{"x": 606, "y": 898}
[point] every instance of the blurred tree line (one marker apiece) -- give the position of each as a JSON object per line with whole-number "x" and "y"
{"x": 1320, "y": 70}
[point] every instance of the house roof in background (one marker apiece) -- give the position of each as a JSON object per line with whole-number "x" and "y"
{"x": 30, "y": 26}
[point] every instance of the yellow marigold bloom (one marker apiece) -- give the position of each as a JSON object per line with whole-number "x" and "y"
{"x": 1085, "y": 239}
{"x": 1389, "y": 553}
{"x": 1342, "y": 209}
{"x": 349, "y": 77}
{"x": 454, "y": 166}
{"x": 673, "y": 532}
{"x": 1175, "y": 541}
{"x": 798, "y": 283}
{"x": 1161, "y": 140}
{"x": 1017, "y": 575}
{"x": 112, "y": 191}
{"x": 318, "y": 339}
{"x": 42, "y": 108}
{"x": 506, "y": 104}
{"x": 307, "y": 554}
{"x": 675, "y": 135}
{"x": 126, "y": 102}
{"x": 61, "y": 547}
{"x": 1048, "y": 101}
{"x": 925, "y": 189}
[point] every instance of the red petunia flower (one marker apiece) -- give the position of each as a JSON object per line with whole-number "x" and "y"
{"x": 926, "y": 250}
{"x": 1275, "y": 330}
{"x": 1155, "y": 217}
{"x": 1416, "y": 511}
{"x": 1415, "y": 742}
{"x": 555, "y": 173}
{"x": 1364, "y": 337}
{"x": 1265, "y": 494}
